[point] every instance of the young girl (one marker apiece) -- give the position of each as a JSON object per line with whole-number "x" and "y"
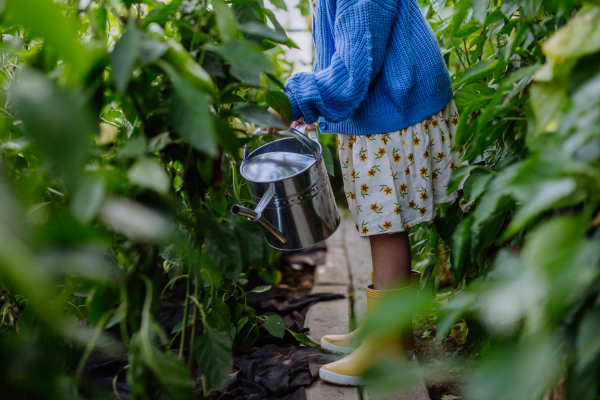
{"x": 379, "y": 81}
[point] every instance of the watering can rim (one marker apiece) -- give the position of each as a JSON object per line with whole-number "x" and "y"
{"x": 318, "y": 156}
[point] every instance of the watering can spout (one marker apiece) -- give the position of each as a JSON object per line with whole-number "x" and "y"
{"x": 256, "y": 217}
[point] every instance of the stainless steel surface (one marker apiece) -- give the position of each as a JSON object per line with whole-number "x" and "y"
{"x": 298, "y": 135}
{"x": 270, "y": 167}
{"x": 303, "y": 208}
{"x": 254, "y": 216}
{"x": 266, "y": 199}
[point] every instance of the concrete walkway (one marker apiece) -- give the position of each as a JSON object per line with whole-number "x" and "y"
{"x": 346, "y": 270}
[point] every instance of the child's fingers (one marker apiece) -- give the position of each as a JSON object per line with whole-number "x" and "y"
{"x": 309, "y": 128}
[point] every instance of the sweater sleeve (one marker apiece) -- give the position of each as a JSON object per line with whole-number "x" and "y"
{"x": 361, "y": 32}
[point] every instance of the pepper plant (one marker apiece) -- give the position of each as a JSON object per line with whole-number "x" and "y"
{"x": 120, "y": 135}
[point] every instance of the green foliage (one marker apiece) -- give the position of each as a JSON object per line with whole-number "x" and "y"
{"x": 120, "y": 134}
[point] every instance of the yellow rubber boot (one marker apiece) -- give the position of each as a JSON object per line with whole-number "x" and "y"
{"x": 347, "y": 343}
{"x": 343, "y": 344}
{"x": 349, "y": 370}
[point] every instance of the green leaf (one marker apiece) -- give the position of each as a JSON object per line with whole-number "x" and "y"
{"x": 179, "y": 325}
{"x": 227, "y": 137}
{"x": 279, "y": 4}
{"x": 190, "y": 114}
{"x": 549, "y": 99}
{"x": 209, "y": 271}
{"x": 172, "y": 253}
{"x": 549, "y": 194}
{"x": 88, "y": 197}
{"x": 475, "y": 185}
{"x": 133, "y": 147}
{"x": 467, "y": 29}
{"x": 149, "y": 174}
{"x": 458, "y": 175}
{"x": 151, "y": 50}
{"x": 438, "y": 5}
{"x": 450, "y": 313}
{"x": 252, "y": 242}
{"x": 241, "y": 323}
{"x": 213, "y": 355}
{"x": 482, "y": 237}
{"x": 220, "y": 312}
{"x": 480, "y": 9}
{"x": 461, "y": 240}
{"x": 260, "y": 289}
{"x": 427, "y": 274}
{"x": 304, "y": 339}
{"x": 261, "y": 30}
{"x": 498, "y": 196}
{"x": 280, "y": 103}
{"x": 223, "y": 248}
{"x": 220, "y": 208}
{"x": 260, "y": 117}
{"x": 226, "y": 23}
{"x": 494, "y": 17}
{"x": 246, "y": 58}
{"x": 472, "y": 94}
{"x": 125, "y": 54}
{"x": 56, "y": 120}
{"x": 328, "y": 159}
{"x": 479, "y": 71}
{"x": 446, "y": 226}
{"x": 275, "y": 80}
{"x": 581, "y": 36}
{"x": 159, "y": 142}
{"x": 529, "y": 8}
{"x": 274, "y": 324}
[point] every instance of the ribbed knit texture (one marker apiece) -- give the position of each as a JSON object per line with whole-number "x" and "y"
{"x": 378, "y": 68}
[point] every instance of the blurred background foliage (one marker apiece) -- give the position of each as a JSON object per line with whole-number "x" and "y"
{"x": 120, "y": 135}
{"x": 121, "y": 124}
{"x": 513, "y": 264}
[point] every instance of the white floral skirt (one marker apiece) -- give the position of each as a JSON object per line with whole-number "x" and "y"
{"x": 394, "y": 180}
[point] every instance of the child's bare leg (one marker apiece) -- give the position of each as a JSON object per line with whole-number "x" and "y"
{"x": 391, "y": 260}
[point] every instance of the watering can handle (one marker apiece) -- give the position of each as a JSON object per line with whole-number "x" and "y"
{"x": 291, "y": 132}
{"x": 313, "y": 134}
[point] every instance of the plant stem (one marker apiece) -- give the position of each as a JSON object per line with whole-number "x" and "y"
{"x": 467, "y": 52}
{"x": 185, "y": 315}
{"x": 194, "y": 325}
{"x": 91, "y": 344}
{"x": 458, "y": 53}
{"x": 236, "y": 189}
{"x": 205, "y": 387}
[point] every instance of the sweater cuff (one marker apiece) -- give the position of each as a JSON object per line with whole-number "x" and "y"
{"x": 296, "y": 111}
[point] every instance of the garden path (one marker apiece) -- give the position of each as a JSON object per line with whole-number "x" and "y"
{"x": 346, "y": 270}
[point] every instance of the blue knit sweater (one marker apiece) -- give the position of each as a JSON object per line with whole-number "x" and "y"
{"x": 378, "y": 68}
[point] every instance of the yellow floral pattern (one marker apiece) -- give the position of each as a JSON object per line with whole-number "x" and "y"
{"x": 392, "y": 184}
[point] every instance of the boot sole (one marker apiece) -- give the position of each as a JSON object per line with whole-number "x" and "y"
{"x": 332, "y": 348}
{"x": 339, "y": 379}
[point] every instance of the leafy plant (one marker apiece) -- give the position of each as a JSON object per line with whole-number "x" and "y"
{"x": 120, "y": 136}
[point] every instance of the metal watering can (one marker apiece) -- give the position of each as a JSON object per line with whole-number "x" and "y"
{"x": 289, "y": 184}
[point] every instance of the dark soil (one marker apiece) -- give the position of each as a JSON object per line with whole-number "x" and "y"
{"x": 298, "y": 270}
{"x": 445, "y": 364}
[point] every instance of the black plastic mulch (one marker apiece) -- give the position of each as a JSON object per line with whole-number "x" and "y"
{"x": 274, "y": 368}
{"x": 291, "y": 308}
{"x": 274, "y": 372}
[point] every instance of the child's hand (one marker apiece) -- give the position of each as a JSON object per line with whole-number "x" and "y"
{"x": 309, "y": 127}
